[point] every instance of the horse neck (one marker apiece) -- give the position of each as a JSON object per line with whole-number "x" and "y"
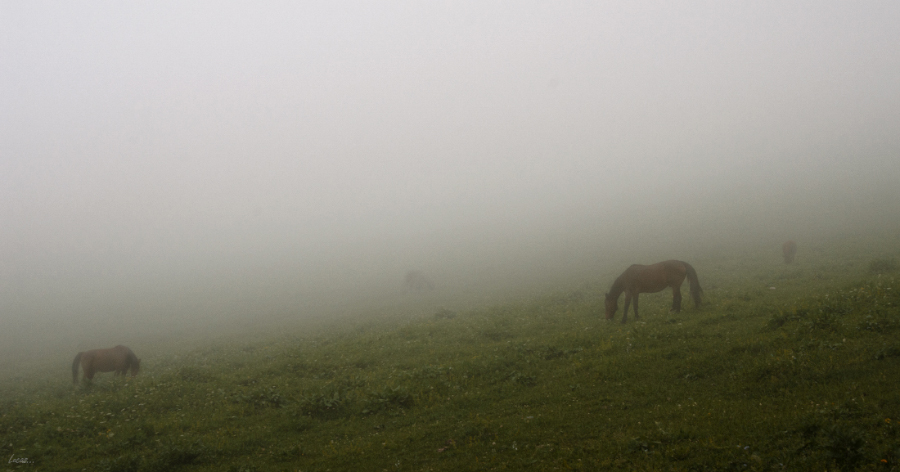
{"x": 617, "y": 288}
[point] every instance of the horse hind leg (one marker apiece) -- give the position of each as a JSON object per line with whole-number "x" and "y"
{"x": 676, "y": 299}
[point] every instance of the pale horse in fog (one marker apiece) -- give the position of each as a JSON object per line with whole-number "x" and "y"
{"x": 789, "y": 249}
{"x": 119, "y": 359}
{"x": 417, "y": 281}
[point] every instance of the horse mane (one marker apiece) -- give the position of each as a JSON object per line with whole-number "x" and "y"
{"x": 133, "y": 362}
{"x": 75, "y": 367}
{"x": 617, "y": 287}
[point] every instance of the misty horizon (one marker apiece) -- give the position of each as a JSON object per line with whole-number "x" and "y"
{"x": 223, "y": 161}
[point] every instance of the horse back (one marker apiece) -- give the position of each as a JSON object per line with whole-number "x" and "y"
{"x": 107, "y": 360}
{"x": 650, "y": 278}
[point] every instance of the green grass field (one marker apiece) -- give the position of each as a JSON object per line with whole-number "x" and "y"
{"x": 784, "y": 367}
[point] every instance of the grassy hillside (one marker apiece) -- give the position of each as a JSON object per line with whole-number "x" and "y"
{"x": 784, "y": 367}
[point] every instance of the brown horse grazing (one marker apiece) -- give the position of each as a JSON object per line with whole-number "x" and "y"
{"x": 789, "y": 249}
{"x": 118, "y": 359}
{"x": 651, "y": 279}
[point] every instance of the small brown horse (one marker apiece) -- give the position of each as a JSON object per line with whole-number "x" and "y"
{"x": 119, "y": 359}
{"x": 789, "y": 249}
{"x": 651, "y": 279}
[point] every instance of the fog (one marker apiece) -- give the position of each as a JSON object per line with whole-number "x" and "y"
{"x": 171, "y": 168}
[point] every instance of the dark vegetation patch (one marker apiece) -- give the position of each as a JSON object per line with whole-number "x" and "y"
{"x": 387, "y": 399}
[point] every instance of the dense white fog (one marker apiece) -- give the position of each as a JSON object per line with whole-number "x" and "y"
{"x": 168, "y": 166}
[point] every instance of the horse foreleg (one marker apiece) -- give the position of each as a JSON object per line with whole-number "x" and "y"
{"x": 636, "y": 317}
{"x": 627, "y": 305}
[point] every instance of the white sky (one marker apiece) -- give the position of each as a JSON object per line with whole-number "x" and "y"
{"x": 164, "y": 137}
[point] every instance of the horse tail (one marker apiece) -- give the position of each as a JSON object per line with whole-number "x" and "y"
{"x": 75, "y": 368}
{"x": 695, "y": 283}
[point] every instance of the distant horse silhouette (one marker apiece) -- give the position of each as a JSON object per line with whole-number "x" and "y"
{"x": 417, "y": 281}
{"x": 789, "y": 249}
{"x": 119, "y": 359}
{"x": 651, "y": 279}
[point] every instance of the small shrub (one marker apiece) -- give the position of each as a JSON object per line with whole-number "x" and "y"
{"x": 171, "y": 455}
{"x": 297, "y": 423}
{"x": 822, "y": 322}
{"x": 193, "y": 374}
{"x": 480, "y": 428}
{"x": 552, "y": 352}
{"x": 497, "y": 335}
{"x": 880, "y": 266}
{"x": 323, "y": 404}
{"x": 290, "y": 453}
{"x": 782, "y": 317}
{"x": 388, "y": 398}
{"x": 889, "y": 351}
{"x": 243, "y": 468}
{"x": 445, "y": 314}
{"x": 313, "y": 370}
{"x": 877, "y": 324}
{"x": 428, "y": 372}
{"x": 121, "y": 464}
{"x": 844, "y": 446}
{"x": 262, "y": 398}
{"x": 520, "y": 378}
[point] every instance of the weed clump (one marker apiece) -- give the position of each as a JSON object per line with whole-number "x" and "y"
{"x": 887, "y": 352}
{"x": 173, "y": 454}
{"x": 193, "y": 374}
{"x": 388, "y": 398}
{"x": 784, "y": 316}
{"x": 261, "y": 398}
{"x": 129, "y": 463}
{"x": 520, "y": 378}
{"x": 324, "y": 405}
